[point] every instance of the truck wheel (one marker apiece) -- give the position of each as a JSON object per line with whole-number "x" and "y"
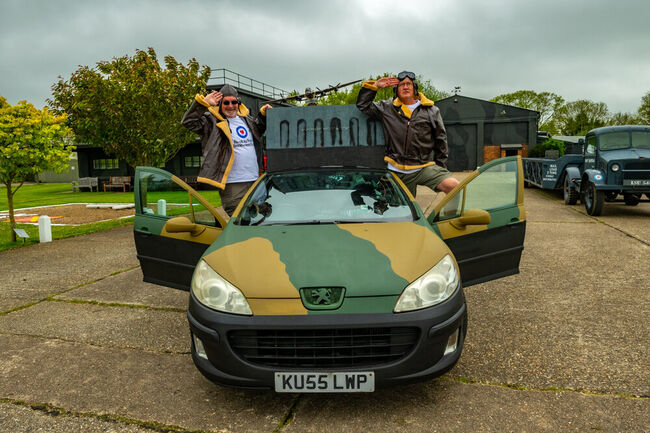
{"x": 632, "y": 199}
{"x": 593, "y": 199}
{"x": 570, "y": 194}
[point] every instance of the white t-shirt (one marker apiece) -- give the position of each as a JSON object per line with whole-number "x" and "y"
{"x": 391, "y": 167}
{"x": 244, "y": 167}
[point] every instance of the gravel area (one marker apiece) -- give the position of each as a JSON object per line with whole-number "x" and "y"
{"x": 71, "y": 214}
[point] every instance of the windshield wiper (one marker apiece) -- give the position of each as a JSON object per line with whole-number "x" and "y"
{"x": 353, "y": 221}
{"x": 300, "y": 223}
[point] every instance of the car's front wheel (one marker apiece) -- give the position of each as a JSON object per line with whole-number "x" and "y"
{"x": 593, "y": 199}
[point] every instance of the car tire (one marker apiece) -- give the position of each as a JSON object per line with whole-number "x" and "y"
{"x": 593, "y": 199}
{"x": 632, "y": 199}
{"x": 570, "y": 194}
{"x": 611, "y": 195}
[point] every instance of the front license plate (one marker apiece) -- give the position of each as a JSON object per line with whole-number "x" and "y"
{"x": 325, "y": 382}
{"x": 634, "y": 182}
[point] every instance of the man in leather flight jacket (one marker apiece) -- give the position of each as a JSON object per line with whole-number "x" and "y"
{"x": 413, "y": 128}
{"x": 230, "y": 141}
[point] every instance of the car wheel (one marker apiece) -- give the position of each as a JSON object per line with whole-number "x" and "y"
{"x": 593, "y": 199}
{"x": 570, "y": 194}
{"x": 632, "y": 199}
{"x": 611, "y": 195}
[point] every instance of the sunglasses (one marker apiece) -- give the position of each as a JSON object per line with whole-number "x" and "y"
{"x": 227, "y": 103}
{"x": 406, "y": 74}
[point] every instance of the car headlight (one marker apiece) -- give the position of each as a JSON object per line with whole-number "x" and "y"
{"x": 215, "y": 292}
{"x": 435, "y": 286}
{"x": 616, "y": 167}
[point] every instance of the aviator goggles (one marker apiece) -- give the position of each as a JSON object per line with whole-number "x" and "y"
{"x": 406, "y": 74}
{"x": 227, "y": 103}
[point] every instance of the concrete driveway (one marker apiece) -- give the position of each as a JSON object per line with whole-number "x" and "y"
{"x": 85, "y": 345}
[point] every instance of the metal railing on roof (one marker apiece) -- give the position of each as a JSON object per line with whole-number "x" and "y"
{"x": 226, "y": 76}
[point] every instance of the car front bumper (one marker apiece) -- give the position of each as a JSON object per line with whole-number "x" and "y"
{"x": 425, "y": 359}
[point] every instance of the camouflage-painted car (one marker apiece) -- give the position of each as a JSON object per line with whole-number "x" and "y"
{"x": 329, "y": 279}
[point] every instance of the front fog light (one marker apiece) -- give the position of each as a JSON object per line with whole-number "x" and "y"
{"x": 198, "y": 347}
{"x": 452, "y": 342}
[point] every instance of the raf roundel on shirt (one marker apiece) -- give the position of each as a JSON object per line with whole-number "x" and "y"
{"x": 241, "y": 136}
{"x": 241, "y": 132}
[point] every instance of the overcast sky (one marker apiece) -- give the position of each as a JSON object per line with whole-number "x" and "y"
{"x": 579, "y": 49}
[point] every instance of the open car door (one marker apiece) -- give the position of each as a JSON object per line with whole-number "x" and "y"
{"x": 173, "y": 226}
{"x": 483, "y": 221}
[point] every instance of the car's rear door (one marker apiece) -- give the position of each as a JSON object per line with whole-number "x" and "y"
{"x": 485, "y": 250}
{"x": 173, "y": 226}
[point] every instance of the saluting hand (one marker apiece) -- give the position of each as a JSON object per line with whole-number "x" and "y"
{"x": 213, "y": 98}
{"x": 386, "y": 82}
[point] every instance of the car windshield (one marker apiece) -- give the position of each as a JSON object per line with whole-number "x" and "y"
{"x": 326, "y": 196}
{"x": 621, "y": 140}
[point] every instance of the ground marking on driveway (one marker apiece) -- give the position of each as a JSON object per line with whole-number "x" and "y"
{"x": 468, "y": 380}
{"x": 49, "y": 297}
{"x": 50, "y": 410}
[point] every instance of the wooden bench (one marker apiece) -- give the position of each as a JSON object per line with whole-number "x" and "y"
{"x": 123, "y": 182}
{"x": 85, "y": 182}
{"x": 191, "y": 181}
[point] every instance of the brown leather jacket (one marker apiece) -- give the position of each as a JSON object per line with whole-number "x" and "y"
{"x": 410, "y": 136}
{"x": 216, "y": 142}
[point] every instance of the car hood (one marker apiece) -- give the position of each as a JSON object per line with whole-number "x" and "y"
{"x": 367, "y": 259}
{"x": 625, "y": 154}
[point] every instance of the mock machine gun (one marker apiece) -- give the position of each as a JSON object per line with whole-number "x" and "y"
{"x": 312, "y": 95}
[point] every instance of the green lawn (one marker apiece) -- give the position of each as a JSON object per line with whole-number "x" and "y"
{"x": 47, "y": 194}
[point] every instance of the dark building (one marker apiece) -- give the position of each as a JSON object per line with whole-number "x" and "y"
{"x": 479, "y": 131}
{"x": 94, "y": 162}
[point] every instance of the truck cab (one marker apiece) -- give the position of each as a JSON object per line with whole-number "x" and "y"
{"x": 616, "y": 162}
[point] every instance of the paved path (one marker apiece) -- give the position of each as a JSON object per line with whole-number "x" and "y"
{"x": 563, "y": 346}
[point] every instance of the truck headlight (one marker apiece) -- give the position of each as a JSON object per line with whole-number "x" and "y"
{"x": 435, "y": 286}
{"x": 215, "y": 292}
{"x": 616, "y": 167}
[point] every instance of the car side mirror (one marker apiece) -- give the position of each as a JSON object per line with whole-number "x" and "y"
{"x": 183, "y": 225}
{"x": 472, "y": 217}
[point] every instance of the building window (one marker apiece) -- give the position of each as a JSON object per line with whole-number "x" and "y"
{"x": 106, "y": 164}
{"x": 193, "y": 161}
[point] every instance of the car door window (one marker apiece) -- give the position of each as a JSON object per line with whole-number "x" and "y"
{"x": 493, "y": 188}
{"x": 160, "y": 195}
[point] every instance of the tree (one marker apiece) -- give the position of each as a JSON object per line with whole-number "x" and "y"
{"x": 131, "y": 106}
{"x": 349, "y": 97}
{"x": 644, "y": 109}
{"x": 546, "y": 103}
{"x": 624, "y": 119}
{"x": 579, "y": 117}
{"x": 31, "y": 141}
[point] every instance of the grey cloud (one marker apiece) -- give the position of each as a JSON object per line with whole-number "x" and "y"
{"x": 579, "y": 49}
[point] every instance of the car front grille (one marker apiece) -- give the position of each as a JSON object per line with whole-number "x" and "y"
{"x": 355, "y": 347}
{"x": 637, "y": 165}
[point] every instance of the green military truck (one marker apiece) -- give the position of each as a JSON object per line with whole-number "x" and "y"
{"x": 614, "y": 161}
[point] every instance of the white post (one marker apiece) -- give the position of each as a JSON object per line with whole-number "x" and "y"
{"x": 44, "y": 229}
{"x": 162, "y": 207}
